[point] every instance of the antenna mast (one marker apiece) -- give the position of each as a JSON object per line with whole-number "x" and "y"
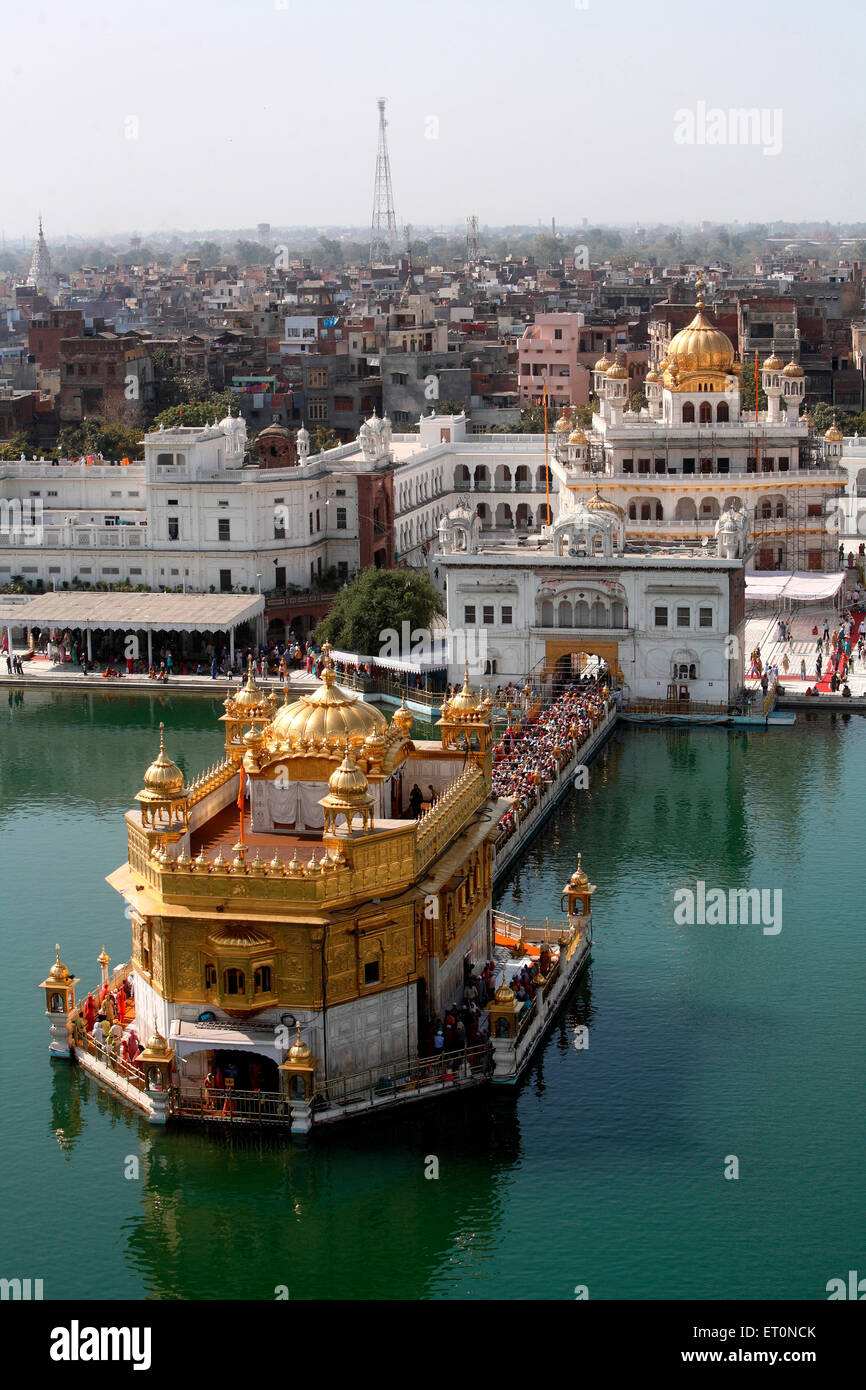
{"x": 384, "y": 227}
{"x": 472, "y": 240}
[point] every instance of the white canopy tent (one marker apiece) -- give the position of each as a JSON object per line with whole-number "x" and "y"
{"x": 416, "y": 666}
{"x": 139, "y": 612}
{"x": 802, "y": 587}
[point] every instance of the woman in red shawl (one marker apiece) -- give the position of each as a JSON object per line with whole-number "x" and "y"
{"x": 133, "y": 1046}
{"x": 89, "y": 1012}
{"x": 120, "y": 1005}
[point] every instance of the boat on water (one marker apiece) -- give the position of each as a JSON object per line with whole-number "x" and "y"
{"x": 302, "y": 928}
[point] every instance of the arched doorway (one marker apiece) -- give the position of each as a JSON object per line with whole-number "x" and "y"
{"x": 582, "y": 646}
{"x": 252, "y": 1071}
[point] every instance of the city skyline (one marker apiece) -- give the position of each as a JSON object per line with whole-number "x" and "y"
{"x": 688, "y": 124}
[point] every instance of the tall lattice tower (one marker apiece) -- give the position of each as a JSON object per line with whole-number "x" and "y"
{"x": 384, "y": 229}
{"x": 472, "y": 239}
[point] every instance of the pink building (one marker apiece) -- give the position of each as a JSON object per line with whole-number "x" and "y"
{"x": 565, "y": 348}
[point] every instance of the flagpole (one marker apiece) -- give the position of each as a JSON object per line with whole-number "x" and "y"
{"x": 546, "y": 464}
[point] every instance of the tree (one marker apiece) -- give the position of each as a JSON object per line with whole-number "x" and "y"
{"x": 376, "y": 601}
{"x": 747, "y": 390}
{"x": 97, "y": 436}
{"x": 322, "y": 439}
{"x": 214, "y": 406}
{"x": 637, "y": 400}
{"x": 207, "y": 252}
{"x": 251, "y": 253}
{"x": 16, "y": 446}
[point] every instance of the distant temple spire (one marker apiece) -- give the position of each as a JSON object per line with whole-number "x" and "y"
{"x": 40, "y": 265}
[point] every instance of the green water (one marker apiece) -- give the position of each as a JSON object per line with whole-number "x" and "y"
{"x": 605, "y": 1168}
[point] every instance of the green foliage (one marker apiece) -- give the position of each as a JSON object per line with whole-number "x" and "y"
{"x": 637, "y": 401}
{"x": 849, "y": 421}
{"x": 207, "y": 252}
{"x": 322, "y": 439}
{"x": 251, "y": 253}
{"x": 97, "y": 436}
{"x": 19, "y": 444}
{"x": 374, "y": 601}
{"x": 747, "y": 389}
{"x": 212, "y": 405}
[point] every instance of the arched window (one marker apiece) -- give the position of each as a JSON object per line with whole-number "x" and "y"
{"x": 618, "y": 615}
{"x": 547, "y": 613}
{"x": 581, "y": 613}
{"x": 688, "y": 413}
{"x": 780, "y": 508}
{"x": 659, "y": 511}
{"x": 210, "y": 976}
{"x": 722, "y": 412}
{"x": 632, "y": 511}
{"x": 598, "y": 614}
{"x": 262, "y": 980}
{"x": 234, "y": 982}
{"x": 706, "y": 413}
{"x": 564, "y": 614}
{"x": 693, "y": 672}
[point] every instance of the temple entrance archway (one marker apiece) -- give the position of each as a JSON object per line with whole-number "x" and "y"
{"x": 562, "y": 649}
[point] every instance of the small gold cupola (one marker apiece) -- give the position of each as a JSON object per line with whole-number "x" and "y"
{"x": 164, "y": 805}
{"x": 578, "y": 893}
{"x": 348, "y": 796}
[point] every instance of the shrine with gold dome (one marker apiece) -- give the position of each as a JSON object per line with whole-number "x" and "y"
{"x": 692, "y": 453}
{"x": 290, "y": 881}
{"x": 295, "y": 929}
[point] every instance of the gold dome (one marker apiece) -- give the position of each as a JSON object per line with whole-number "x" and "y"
{"x": 163, "y": 776}
{"x": 58, "y": 971}
{"x": 597, "y": 503}
{"x": 331, "y": 713}
{"x": 249, "y": 696}
{"x": 701, "y": 346}
{"x": 156, "y": 1042}
{"x": 616, "y": 372}
{"x": 563, "y": 424}
{"x": 578, "y": 878}
{"x": 772, "y": 363}
{"x": 402, "y": 718}
{"x": 834, "y": 434}
{"x": 348, "y": 781}
{"x": 652, "y": 376}
{"x": 465, "y": 699}
{"x": 602, "y": 364}
{"x": 577, "y": 437}
{"x": 504, "y": 994}
{"x": 299, "y": 1052}
{"x": 792, "y": 368}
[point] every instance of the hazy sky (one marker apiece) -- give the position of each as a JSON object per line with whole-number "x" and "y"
{"x": 224, "y": 113}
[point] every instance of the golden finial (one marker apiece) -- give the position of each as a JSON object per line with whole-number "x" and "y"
{"x": 699, "y": 286}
